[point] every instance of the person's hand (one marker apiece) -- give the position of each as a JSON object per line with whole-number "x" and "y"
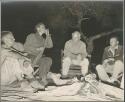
{"x": 89, "y": 55}
{"x": 40, "y": 49}
{"x": 108, "y": 60}
{"x": 25, "y": 54}
{"x": 47, "y": 32}
{"x": 27, "y": 59}
{"x": 111, "y": 59}
{"x": 105, "y": 61}
{"x": 79, "y": 57}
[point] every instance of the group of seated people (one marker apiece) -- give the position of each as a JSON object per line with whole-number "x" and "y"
{"x": 17, "y": 61}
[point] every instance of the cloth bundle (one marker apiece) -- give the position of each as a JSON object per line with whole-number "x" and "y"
{"x": 90, "y": 86}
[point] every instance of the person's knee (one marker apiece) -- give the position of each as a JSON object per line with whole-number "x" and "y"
{"x": 67, "y": 60}
{"x": 85, "y": 62}
{"x": 118, "y": 67}
{"x": 98, "y": 67}
{"x": 118, "y": 63}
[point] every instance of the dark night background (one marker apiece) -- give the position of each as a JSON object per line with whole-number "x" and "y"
{"x": 61, "y": 18}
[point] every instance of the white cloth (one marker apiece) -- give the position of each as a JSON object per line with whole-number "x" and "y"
{"x": 11, "y": 68}
{"x": 10, "y": 71}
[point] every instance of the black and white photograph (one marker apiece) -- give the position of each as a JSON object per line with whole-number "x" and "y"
{"x": 64, "y": 50}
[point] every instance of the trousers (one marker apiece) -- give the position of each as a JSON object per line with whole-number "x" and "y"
{"x": 68, "y": 61}
{"x": 44, "y": 66}
{"x": 114, "y": 70}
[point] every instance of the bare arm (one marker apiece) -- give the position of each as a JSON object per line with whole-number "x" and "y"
{"x": 49, "y": 43}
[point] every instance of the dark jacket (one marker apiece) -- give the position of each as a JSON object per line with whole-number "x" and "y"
{"x": 117, "y": 56}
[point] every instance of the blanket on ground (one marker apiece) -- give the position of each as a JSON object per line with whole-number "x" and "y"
{"x": 87, "y": 90}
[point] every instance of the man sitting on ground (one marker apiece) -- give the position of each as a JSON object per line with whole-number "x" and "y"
{"x": 112, "y": 61}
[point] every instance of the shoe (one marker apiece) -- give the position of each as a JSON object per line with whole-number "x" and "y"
{"x": 25, "y": 86}
{"x": 116, "y": 83}
{"x": 35, "y": 84}
{"x": 80, "y": 77}
{"x": 112, "y": 83}
{"x": 75, "y": 79}
{"x": 112, "y": 80}
{"x": 44, "y": 83}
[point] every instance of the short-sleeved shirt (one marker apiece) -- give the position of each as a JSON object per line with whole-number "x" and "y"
{"x": 72, "y": 49}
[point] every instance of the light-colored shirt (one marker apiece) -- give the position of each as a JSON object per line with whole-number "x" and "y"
{"x": 18, "y": 46}
{"x": 73, "y": 49}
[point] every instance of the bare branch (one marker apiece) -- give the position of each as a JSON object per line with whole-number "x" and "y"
{"x": 104, "y": 34}
{"x": 90, "y": 40}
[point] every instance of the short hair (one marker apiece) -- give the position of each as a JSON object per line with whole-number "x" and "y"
{"x": 76, "y": 32}
{"x": 3, "y": 34}
{"x": 38, "y": 25}
{"x": 114, "y": 37}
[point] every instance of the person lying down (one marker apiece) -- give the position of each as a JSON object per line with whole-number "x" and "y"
{"x": 89, "y": 86}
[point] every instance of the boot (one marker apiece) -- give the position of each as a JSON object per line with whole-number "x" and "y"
{"x": 35, "y": 84}
{"x": 25, "y": 86}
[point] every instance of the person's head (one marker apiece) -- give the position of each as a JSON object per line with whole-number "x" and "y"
{"x": 114, "y": 41}
{"x": 7, "y": 38}
{"x": 40, "y": 28}
{"x": 76, "y": 36}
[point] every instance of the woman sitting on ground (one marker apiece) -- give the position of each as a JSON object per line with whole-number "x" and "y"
{"x": 14, "y": 66}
